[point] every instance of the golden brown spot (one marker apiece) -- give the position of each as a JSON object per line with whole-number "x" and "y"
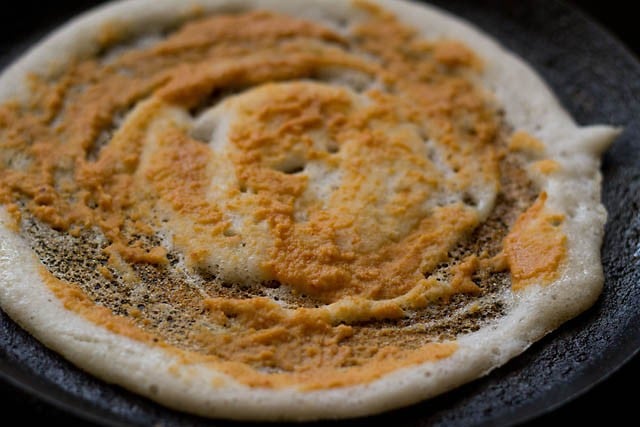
{"x": 536, "y": 247}
{"x": 546, "y": 166}
{"x": 522, "y": 141}
{"x": 454, "y": 54}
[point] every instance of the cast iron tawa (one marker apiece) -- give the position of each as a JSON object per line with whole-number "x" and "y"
{"x": 596, "y": 79}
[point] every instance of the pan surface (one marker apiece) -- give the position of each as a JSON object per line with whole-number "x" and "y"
{"x": 597, "y": 80}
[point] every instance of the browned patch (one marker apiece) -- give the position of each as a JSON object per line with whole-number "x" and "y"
{"x": 536, "y": 247}
{"x": 546, "y": 166}
{"x": 522, "y": 141}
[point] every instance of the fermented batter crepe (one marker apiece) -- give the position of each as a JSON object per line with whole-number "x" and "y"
{"x": 290, "y": 209}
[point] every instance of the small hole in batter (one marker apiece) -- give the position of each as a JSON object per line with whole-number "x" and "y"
{"x": 293, "y": 170}
{"x": 340, "y": 22}
{"x": 332, "y": 147}
{"x": 230, "y": 232}
{"x": 469, "y": 200}
{"x": 272, "y": 284}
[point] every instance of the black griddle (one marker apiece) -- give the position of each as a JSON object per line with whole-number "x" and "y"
{"x": 598, "y": 80}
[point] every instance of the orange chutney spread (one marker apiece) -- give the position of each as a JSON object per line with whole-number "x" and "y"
{"x": 292, "y": 203}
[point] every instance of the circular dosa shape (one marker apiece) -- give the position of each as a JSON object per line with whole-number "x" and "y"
{"x": 534, "y": 333}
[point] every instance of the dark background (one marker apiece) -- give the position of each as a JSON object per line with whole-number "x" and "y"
{"x": 612, "y": 401}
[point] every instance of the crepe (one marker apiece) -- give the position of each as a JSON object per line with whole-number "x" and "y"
{"x": 287, "y": 210}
